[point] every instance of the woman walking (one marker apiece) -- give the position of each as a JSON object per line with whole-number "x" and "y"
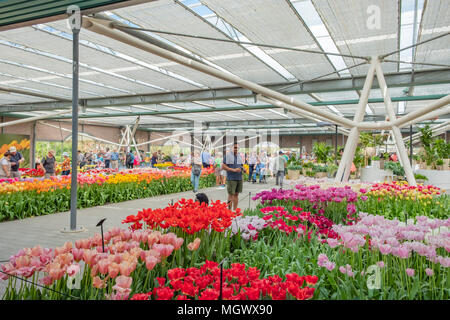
{"x": 196, "y": 171}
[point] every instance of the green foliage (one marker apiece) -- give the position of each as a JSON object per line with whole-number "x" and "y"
{"x": 442, "y": 149}
{"x": 427, "y": 143}
{"x": 420, "y": 176}
{"x": 332, "y": 168}
{"x": 294, "y": 167}
{"x": 358, "y": 159}
{"x": 322, "y": 151}
{"x": 396, "y": 167}
{"x": 318, "y": 168}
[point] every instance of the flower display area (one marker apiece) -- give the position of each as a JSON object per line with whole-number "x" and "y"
{"x": 34, "y": 195}
{"x": 379, "y": 241}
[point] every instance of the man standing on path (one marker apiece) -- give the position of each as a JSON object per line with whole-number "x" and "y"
{"x": 115, "y": 160}
{"x": 280, "y": 163}
{"x": 233, "y": 164}
{"x": 16, "y": 159}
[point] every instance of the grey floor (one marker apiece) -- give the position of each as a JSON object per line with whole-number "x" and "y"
{"x": 46, "y": 230}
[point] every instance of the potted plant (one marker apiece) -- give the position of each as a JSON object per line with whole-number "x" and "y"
{"x": 294, "y": 171}
{"x": 420, "y": 178}
{"x": 307, "y": 167}
{"x": 310, "y": 173}
{"x": 320, "y": 171}
{"x": 396, "y": 168}
{"x": 376, "y": 162}
{"x": 440, "y": 164}
{"x": 331, "y": 170}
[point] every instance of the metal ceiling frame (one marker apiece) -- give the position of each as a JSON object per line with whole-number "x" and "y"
{"x": 398, "y": 79}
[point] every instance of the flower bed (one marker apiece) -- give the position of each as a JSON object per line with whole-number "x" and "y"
{"x": 32, "y": 197}
{"x": 398, "y": 199}
{"x": 333, "y": 203}
{"x": 239, "y": 283}
{"x": 173, "y": 253}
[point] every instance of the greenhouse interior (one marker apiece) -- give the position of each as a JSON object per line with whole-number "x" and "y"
{"x": 224, "y": 150}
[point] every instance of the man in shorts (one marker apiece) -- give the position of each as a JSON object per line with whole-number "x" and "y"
{"x": 233, "y": 164}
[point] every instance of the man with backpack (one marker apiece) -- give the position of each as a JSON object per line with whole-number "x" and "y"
{"x": 129, "y": 160}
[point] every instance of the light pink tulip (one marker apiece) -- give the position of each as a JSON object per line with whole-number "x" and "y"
{"x": 410, "y": 272}
{"x": 103, "y": 266}
{"x": 73, "y": 269}
{"x": 429, "y": 272}
{"x": 150, "y": 262}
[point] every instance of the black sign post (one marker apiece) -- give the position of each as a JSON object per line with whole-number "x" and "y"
{"x": 100, "y": 224}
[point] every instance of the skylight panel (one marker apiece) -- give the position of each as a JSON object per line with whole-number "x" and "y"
{"x": 401, "y": 107}
{"x": 117, "y": 54}
{"x": 335, "y": 110}
{"x": 129, "y": 23}
{"x": 369, "y": 110}
{"x": 279, "y": 113}
{"x": 311, "y": 17}
{"x": 407, "y": 35}
{"x": 216, "y": 21}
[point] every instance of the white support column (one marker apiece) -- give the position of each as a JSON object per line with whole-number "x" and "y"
{"x": 343, "y": 172}
{"x": 398, "y": 139}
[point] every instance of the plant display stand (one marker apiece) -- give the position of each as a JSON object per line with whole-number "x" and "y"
{"x": 294, "y": 174}
{"x": 438, "y": 178}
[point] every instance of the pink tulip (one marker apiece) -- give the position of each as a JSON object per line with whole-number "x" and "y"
{"x": 77, "y": 254}
{"x": 150, "y": 262}
{"x": 89, "y": 256}
{"x": 103, "y": 266}
{"x": 98, "y": 283}
{"x": 123, "y": 283}
{"x": 22, "y": 261}
{"x": 164, "y": 249}
{"x": 136, "y": 236}
{"x": 330, "y": 265}
{"x": 343, "y": 270}
{"x": 55, "y": 271}
{"x": 380, "y": 264}
{"x": 384, "y": 249}
{"x": 332, "y": 242}
{"x": 73, "y": 269}
{"x": 118, "y": 296}
{"x": 178, "y": 242}
{"x": 37, "y": 251}
{"x": 410, "y": 272}
{"x": 429, "y": 272}
{"x": 403, "y": 252}
{"x": 152, "y": 239}
{"x": 194, "y": 245}
{"x": 46, "y": 281}
{"x": 126, "y": 268}
{"x": 113, "y": 270}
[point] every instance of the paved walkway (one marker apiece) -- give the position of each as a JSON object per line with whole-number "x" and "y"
{"x": 46, "y": 230}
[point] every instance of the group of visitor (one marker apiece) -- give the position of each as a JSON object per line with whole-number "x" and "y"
{"x": 10, "y": 163}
